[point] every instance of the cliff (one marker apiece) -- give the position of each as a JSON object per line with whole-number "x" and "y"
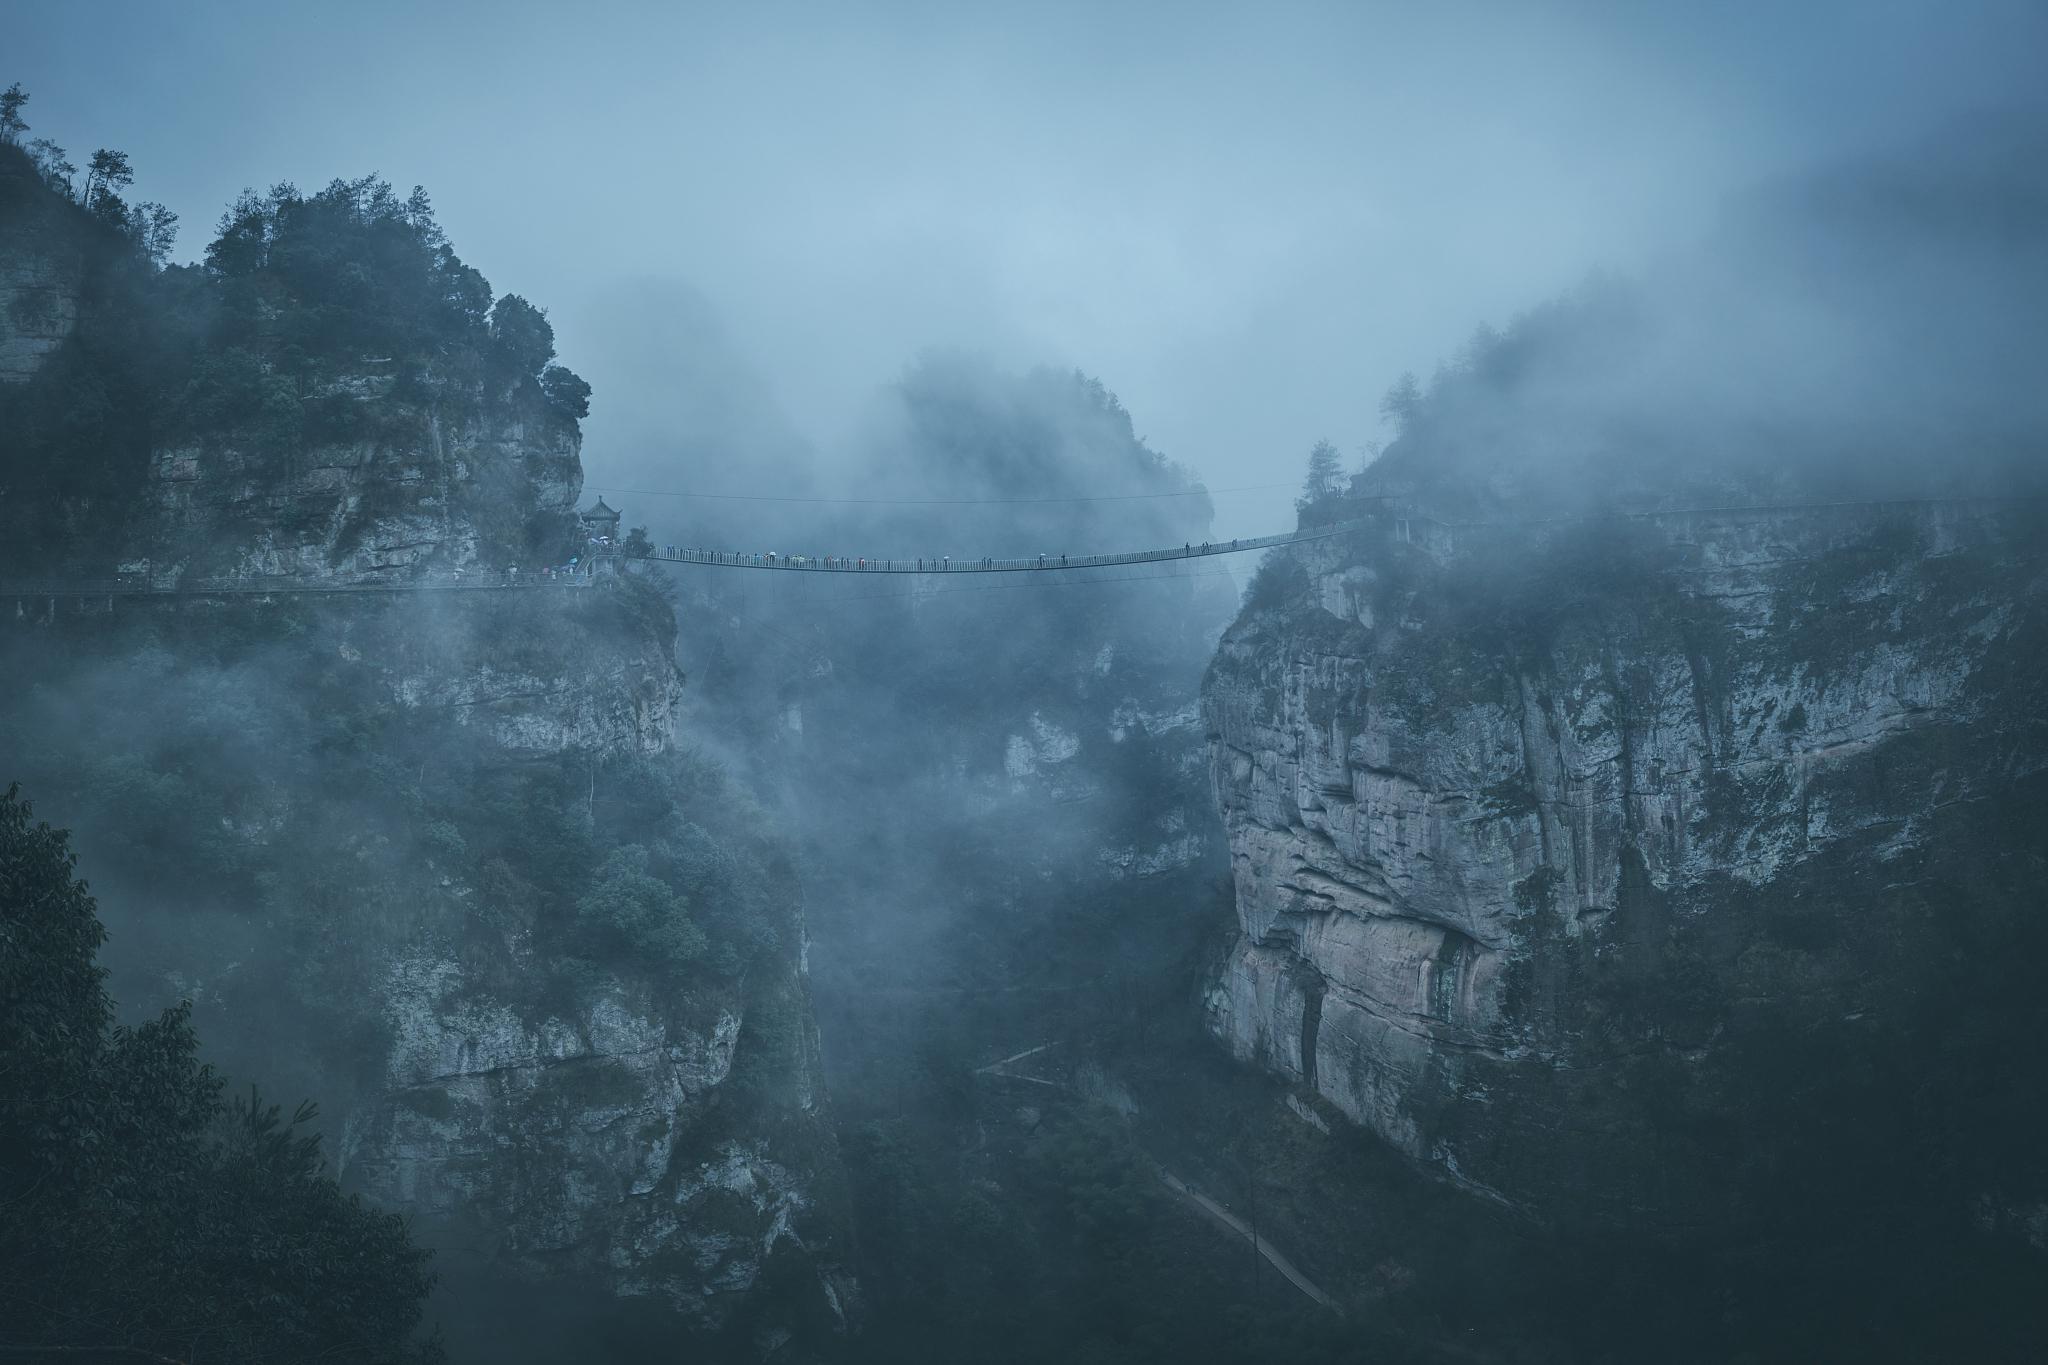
{"x": 443, "y": 481}
{"x": 439, "y": 860}
{"x": 1589, "y": 861}
{"x": 333, "y": 396}
{"x": 41, "y": 275}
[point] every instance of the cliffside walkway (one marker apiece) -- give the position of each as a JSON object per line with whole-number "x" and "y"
{"x": 18, "y": 589}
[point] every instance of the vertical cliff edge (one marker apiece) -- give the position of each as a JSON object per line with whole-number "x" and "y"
{"x": 439, "y": 860}
{"x": 1649, "y": 870}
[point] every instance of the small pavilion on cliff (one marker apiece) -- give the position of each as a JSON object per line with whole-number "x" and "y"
{"x": 600, "y": 523}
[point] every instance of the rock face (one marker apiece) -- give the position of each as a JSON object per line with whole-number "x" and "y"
{"x": 42, "y": 270}
{"x": 587, "y": 1129}
{"x": 39, "y": 281}
{"x": 547, "y": 1102}
{"x": 1534, "y": 834}
{"x": 605, "y": 1099}
{"x": 435, "y": 858}
{"x": 372, "y": 924}
{"x": 445, "y": 486}
{"x": 548, "y": 671}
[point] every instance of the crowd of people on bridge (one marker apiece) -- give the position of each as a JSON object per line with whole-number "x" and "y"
{"x": 774, "y": 559}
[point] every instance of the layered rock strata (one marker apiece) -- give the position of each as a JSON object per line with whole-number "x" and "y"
{"x": 1518, "y": 819}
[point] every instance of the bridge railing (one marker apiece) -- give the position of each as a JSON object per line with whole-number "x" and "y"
{"x": 928, "y": 564}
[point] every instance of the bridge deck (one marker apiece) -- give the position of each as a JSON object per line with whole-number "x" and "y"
{"x": 495, "y": 582}
{"x": 1400, "y": 520}
{"x": 927, "y": 564}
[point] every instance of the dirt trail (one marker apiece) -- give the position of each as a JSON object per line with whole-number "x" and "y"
{"x": 1237, "y": 1225}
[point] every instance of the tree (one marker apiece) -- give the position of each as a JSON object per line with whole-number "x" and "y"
{"x": 54, "y": 167}
{"x": 11, "y": 124}
{"x": 629, "y": 914}
{"x": 522, "y": 342}
{"x": 155, "y": 229}
{"x": 144, "y": 1215}
{"x": 566, "y": 390}
{"x": 108, "y": 171}
{"x": 637, "y": 545}
{"x": 241, "y": 243}
{"x": 1325, "y": 468}
{"x": 1402, "y": 403}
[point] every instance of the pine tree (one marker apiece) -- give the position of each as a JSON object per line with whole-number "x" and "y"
{"x": 1325, "y": 469}
{"x": 1402, "y": 403}
{"x": 11, "y": 125}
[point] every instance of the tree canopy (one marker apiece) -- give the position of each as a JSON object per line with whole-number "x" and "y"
{"x": 145, "y": 1212}
{"x": 302, "y": 305}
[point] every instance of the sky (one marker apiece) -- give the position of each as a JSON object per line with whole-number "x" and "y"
{"x": 1246, "y": 220}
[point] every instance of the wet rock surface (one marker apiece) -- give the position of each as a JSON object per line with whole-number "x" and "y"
{"x": 1536, "y": 843}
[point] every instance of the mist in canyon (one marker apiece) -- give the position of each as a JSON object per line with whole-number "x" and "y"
{"x": 1578, "y": 902}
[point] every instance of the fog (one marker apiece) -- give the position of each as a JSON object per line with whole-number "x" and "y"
{"x": 1245, "y": 222}
{"x": 926, "y": 280}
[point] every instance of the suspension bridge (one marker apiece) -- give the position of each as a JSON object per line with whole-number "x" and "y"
{"x": 1391, "y": 516}
{"x": 949, "y": 564}
{"x": 594, "y": 567}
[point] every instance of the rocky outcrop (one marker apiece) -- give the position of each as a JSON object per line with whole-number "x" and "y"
{"x": 619, "y": 1176}
{"x": 39, "y": 283}
{"x": 42, "y": 269}
{"x": 436, "y": 857}
{"x": 546, "y": 671}
{"x": 569, "y": 1109}
{"x": 588, "y": 1126}
{"x": 447, "y": 484}
{"x": 1529, "y": 830}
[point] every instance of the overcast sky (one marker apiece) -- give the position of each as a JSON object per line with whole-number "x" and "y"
{"x": 1246, "y": 220}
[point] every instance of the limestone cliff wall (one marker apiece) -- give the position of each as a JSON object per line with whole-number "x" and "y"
{"x": 1523, "y": 821}
{"x": 39, "y": 283}
{"x": 589, "y": 1127}
{"x": 448, "y": 483}
{"x": 554, "y": 1112}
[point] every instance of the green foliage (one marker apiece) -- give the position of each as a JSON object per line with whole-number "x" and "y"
{"x": 350, "y": 271}
{"x": 232, "y": 392}
{"x": 308, "y": 307}
{"x": 566, "y": 391}
{"x": 522, "y": 341}
{"x": 630, "y": 915}
{"x": 1325, "y": 469}
{"x": 1280, "y": 582}
{"x": 145, "y": 1214}
{"x": 53, "y": 167}
{"x": 107, "y": 173}
{"x": 1402, "y": 403}
{"x": 12, "y": 125}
